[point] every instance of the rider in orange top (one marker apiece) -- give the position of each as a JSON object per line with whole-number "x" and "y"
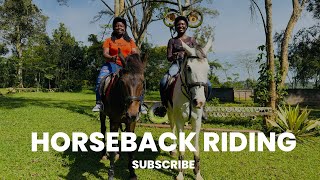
{"x": 125, "y": 46}
{"x": 119, "y": 39}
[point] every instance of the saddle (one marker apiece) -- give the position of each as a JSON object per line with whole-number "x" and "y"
{"x": 108, "y": 82}
{"x": 168, "y": 91}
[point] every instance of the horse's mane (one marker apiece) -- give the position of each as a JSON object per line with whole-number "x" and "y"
{"x": 134, "y": 64}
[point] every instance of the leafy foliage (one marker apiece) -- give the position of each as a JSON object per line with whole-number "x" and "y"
{"x": 261, "y": 92}
{"x": 157, "y": 65}
{"x": 304, "y": 56}
{"x": 314, "y": 7}
{"x": 19, "y": 22}
{"x": 295, "y": 121}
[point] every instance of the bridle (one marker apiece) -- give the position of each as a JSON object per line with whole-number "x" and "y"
{"x": 129, "y": 99}
{"x": 186, "y": 86}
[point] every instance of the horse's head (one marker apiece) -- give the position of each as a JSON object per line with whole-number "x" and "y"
{"x": 132, "y": 84}
{"x": 194, "y": 73}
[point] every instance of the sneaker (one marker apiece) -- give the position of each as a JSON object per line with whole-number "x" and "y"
{"x": 97, "y": 108}
{"x": 143, "y": 109}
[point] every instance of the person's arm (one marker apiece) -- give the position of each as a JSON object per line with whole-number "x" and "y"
{"x": 107, "y": 55}
{"x": 170, "y": 54}
{"x": 134, "y": 49}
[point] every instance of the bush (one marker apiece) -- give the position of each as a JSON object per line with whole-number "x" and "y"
{"x": 295, "y": 121}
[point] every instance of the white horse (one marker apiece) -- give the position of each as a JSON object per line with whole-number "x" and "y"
{"x": 189, "y": 98}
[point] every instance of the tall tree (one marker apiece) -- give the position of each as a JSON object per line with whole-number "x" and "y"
{"x": 304, "y": 56}
{"x": 297, "y": 7}
{"x": 270, "y": 54}
{"x": 20, "y": 20}
{"x": 68, "y": 58}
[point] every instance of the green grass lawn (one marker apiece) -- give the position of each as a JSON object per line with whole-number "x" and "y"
{"x": 24, "y": 113}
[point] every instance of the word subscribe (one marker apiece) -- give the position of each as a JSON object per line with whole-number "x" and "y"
{"x": 232, "y": 142}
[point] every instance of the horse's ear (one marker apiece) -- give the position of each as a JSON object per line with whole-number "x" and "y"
{"x": 190, "y": 51}
{"x": 208, "y": 45}
{"x": 122, "y": 59}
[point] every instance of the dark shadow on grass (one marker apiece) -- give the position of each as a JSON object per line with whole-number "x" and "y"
{"x": 10, "y": 102}
{"x": 121, "y": 165}
{"x": 90, "y": 163}
{"x": 80, "y": 163}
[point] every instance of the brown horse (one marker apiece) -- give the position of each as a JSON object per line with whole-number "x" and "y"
{"x": 122, "y": 105}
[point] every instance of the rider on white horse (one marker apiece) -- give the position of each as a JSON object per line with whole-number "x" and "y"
{"x": 176, "y": 54}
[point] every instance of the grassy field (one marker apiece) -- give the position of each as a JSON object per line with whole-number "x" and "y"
{"x": 24, "y": 113}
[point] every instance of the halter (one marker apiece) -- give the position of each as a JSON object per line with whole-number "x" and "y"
{"x": 134, "y": 98}
{"x": 130, "y": 99}
{"x": 188, "y": 86}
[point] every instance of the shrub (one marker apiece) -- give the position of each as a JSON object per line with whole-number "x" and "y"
{"x": 295, "y": 121}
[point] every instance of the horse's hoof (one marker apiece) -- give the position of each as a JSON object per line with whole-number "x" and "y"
{"x": 104, "y": 158}
{"x": 198, "y": 176}
{"x": 180, "y": 176}
{"x": 173, "y": 153}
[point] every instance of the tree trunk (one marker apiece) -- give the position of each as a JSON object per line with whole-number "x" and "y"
{"x": 121, "y": 6}
{"x": 270, "y": 55}
{"x": 20, "y": 65}
{"x": 116, "y": 8}
{"x": 296, "y": 13}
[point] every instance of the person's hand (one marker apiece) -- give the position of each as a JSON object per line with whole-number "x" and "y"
{"x": 114, "y": 58}
{"x": 175, "y": 55}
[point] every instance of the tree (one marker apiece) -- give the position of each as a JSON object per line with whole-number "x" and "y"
{"x": 19, "y": 21}
{"x": 298, "y": 6}
{"x": 35, "y": 61}
{"x": 314, "y": 7}
{"x": 94, "y": 59}
{"x": 68, "y": 61}
{"x": 304, "y": 56}
{"x": 214, "y": 65}
{"x": 248, "y": 62}
{"x": 157, "y": 65}
{"x": 3, "y": 49}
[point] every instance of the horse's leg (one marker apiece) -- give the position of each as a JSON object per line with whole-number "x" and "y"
{"x": 180, "y": 128}
{"x": 103, "y": 129}
{"x": 114, "y": 127}
{"x": 196, "y": 127}
{"x": 173, "y": 130}
{"x": 130, "y": 128}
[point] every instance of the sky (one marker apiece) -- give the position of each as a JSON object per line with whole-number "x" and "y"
{"x": 235, "y": 32}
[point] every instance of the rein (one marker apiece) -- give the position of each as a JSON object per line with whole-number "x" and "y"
{"x": 188, "y": 86}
